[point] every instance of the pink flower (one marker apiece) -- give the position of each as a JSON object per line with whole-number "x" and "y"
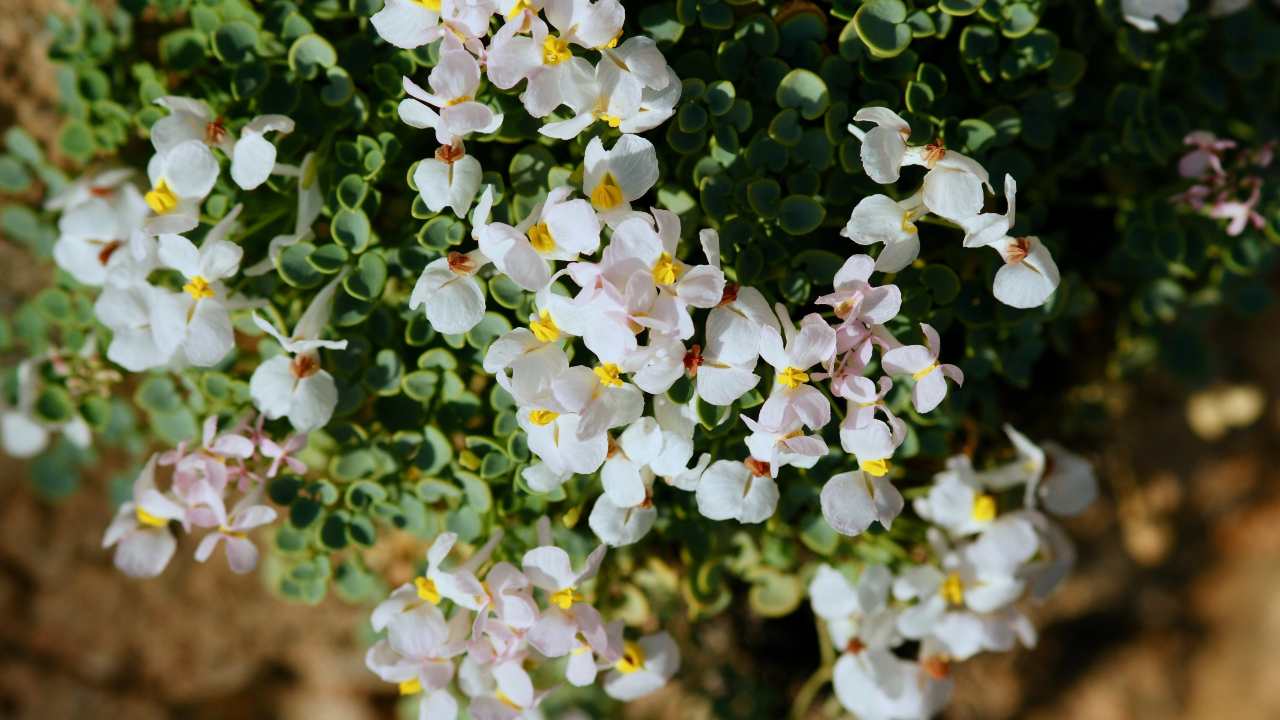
{"x": 282, "y": 453}
{"x": 1207, "y": 156}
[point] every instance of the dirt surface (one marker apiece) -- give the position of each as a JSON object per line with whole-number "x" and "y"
{"x": 1173, "y": 612}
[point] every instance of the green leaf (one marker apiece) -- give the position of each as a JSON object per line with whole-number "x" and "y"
{"x": 442, "y": 232}
{"x": 882, "y": 25}
{"x": 959, "y": 7}
{"x": 75, "y": 140}
{"x": 310, "y": 54}
{"x": 369, "y": 277}
{"x": 942, "y": 281}
{"x": 295, "y": 266}
{"x": 329, "y": 259}
{"x": 351, "y": 229}
{"x": 183, "y": 50}
{"x": 805, "y": 91}
{"x": 14, "y": 177}
{"x": 234, "y": 42}
{"x": 800, "y": 215}
{"x": 54, "y": 405}
{"x": 774, "y": 594}
{"x": 765, "y": 195}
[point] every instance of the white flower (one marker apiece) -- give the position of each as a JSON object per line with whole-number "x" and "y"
{"x": 209, "y": 335}
{"x": 637, "y": 247}
{"x": 731, "y": 490}
{"x": 593, "y": 24}
{"x": 606, "y": 93}
{"x": 454, "y": 81}
{"x": 979, "y": 578}
{"x": 180, "y": 179}
{"x": 599, "y": 397}
{"x": 95, "y": 233}
{"x": 411, "y": 24}
{"x": 616, "y": 177}
{"x": 792, "y": 398}
{"x": 852, "y": 501}
{"x": 878, "y": 685}
{"x": 644, "y": 667}
{"x": 252, "y": 157}
{"x": 297, "y": 387}
{"x": 881, "y": 219}
{"x": 147, "y": 325}
{"x": 450, "y": 179}
{"x": 1061, "y": 480}
{"x": 1143, "y": 14}
{"x": 550, "y": 569}
{"x": 779, "y": 446}
{"x": 859, "y": 305}
{"x": 957, "y": 500}
{"x": 953, "y": 184}
{"x": 618, "y": 526}
{"x": 872, "y": 443}
{"x": 1029, "y": 275}
{"x": 417, "y": 654}
{"x": 558, "y": 229}
{"x": 921, "y": 363}
{"x": 450, "y": 292}
{"x": 140, "y": 530}
{"x": 248, "y": 513}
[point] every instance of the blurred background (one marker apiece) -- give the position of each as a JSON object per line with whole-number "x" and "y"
{"x": 1173, "y": 612}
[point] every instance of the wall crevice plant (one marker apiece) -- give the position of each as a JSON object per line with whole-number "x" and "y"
{"x": 622, "y": 313}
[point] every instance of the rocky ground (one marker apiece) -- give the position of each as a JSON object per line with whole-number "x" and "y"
{"x": 1172, "y": 614}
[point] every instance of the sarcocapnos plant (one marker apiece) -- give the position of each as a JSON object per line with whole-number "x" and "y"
{"x": 465, "y": 347}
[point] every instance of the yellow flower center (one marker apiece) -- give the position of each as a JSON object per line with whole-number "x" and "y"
{"x": 543, "y": 417}
{"x": 146, "y": 518}
{"x": 458, "y": 100}
{"x": 607, "y": 195}
{"x": 920, "y": 374}
{"x": 953, "y": 590}
{"x": 544, "y": 328}
{"x": 555, "y": 51}
{"x": 609, "y": 375}
{"x": 411, "y": 687}
{"x": 540, "y": 238}
{"x": 427, "y": 590}
{"x": 198, "y": 288}
{"x": 908, "y": 226}
{"x": 519, "y": 7}
{"x": 793, "y": 377}
{"x": 984, "y": 508}
{"x": 432, "y": 5}
{"x": 582, "y": 649}
{"x": 876, "y": 468}
{"x": 613, "y": 120}
{"x": 564, "y": 598}
{"x": 161, "y": 199}
{"x": 613, "y": 42}
{"x": 666, "y": 270}
{"x": 632, "y": 658}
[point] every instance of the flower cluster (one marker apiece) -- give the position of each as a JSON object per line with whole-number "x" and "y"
{"x": 448, "y": 627}
{"x": 952, "y": 190}
{"x": 1227, "y": 180}
{"x": 990, "y": 544}
{"x": 114, "y": 236}
{"x": 204, "y": 479}
{"x": 630, "y": 87}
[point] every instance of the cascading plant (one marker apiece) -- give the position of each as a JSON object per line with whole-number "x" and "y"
{"x": 617, "y": 312}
